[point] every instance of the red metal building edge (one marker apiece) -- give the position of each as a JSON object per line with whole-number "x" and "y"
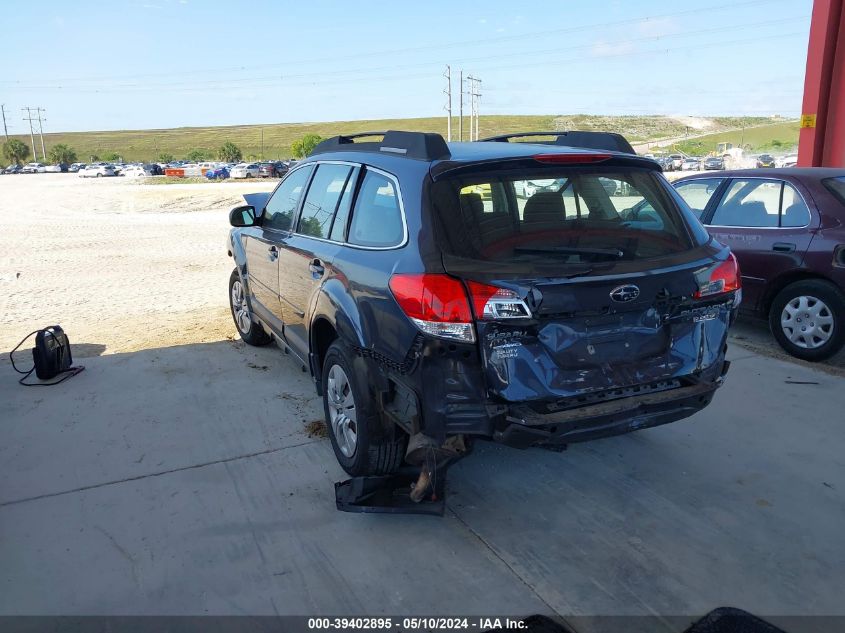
{"x": 822, "y": 134}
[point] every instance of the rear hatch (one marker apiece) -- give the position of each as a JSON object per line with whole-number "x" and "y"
{"x": 583, "y": 278}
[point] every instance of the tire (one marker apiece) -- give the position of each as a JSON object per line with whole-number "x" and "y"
{"x": 99, "y": 175}
{"x": 367, "y": 450}
{"x": 251, "y": 332}
{"x": 813, "y": 304}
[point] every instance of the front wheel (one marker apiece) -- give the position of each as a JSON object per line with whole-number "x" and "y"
{"x": 250, "y": 331}
{"x": 808, "y": 319}
{"x": 361, "y": 445}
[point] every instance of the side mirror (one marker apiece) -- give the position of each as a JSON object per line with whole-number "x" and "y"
{"x": 243, "y": 215}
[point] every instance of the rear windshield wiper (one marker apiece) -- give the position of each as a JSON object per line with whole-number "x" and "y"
{"x": 610, "y": 253}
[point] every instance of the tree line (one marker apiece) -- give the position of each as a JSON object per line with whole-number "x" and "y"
{"x": 16, "y": 151}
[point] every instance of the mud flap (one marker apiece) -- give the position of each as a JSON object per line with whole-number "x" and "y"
{"x": 391, "y": 494}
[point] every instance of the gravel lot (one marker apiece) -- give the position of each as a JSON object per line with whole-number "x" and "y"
{"x": 114, "y": 261}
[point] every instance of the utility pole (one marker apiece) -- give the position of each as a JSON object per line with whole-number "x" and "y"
{"x": 28, "y": 117}
{"x": 471, "y": 92}
{"x": 41, "y": 133}
{"x": 461, "y": 107}
{"x": 5, "y": 129}
{"x": 477, "y": 105}
{"x": 448, "y": 106}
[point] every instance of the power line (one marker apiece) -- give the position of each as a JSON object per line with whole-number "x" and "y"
{"x": 460, "y": 43}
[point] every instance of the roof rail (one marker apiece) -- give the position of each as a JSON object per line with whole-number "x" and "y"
{"x": 588, "y": 140}
{"x": 419, "y": 145}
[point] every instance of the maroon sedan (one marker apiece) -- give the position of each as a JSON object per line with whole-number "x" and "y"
{"x": 787, "y": 229}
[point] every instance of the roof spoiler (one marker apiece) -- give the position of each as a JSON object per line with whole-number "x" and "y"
{"x": 419, "y": 145}
{"x": 609, "y": 141}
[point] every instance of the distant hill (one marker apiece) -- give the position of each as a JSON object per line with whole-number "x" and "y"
{"x": 134, "y": 145}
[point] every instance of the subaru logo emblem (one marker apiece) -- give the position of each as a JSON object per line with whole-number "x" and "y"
{"x": 625, "y": 293}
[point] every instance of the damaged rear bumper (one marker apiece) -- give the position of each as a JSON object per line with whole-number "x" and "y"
{"x": 524, "y": 427}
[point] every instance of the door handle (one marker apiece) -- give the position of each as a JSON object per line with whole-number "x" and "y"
{"x": 273, "y": 253}
{"x": 783, "y": 247}
{"x": 316, "y": 267}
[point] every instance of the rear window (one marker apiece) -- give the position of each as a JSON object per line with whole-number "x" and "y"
{"x": 566, "y": 216}
{"x": 836, "y": 186}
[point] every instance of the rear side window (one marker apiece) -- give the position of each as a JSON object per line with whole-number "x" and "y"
{"x": 697, "y": 193}
{"x": 559, "y": 216}
{"x": 321, "y": 201}
{"x": 761, "y": 203}
{"x": 280, "y": 208}
{"x": 377, "y": 216}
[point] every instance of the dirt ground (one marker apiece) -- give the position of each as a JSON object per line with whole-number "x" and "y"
{"x": 124, "y": 265}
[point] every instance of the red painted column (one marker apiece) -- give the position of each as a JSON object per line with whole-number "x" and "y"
{"x": 821, "y": 140}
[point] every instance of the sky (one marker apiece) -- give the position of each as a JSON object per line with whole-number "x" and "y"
{"x": 139, "y": 64}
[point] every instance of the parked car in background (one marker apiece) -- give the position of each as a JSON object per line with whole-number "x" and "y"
{"x": 676, "y": 162}
{"x": 665, "y": 162}
{"x": 139, "y": 171}
{"x": 96, "y": 171}
{"x": 13, "y": 169}
{"x": 275, "y": 169}
{"x": 691, "y": 163}
{"x": 427, "y": 314}
{"x": 790, "y": 160}
{"x": 75, "y": 167}
{"x": 787, "y": 229}
{"x": 714, "y": 162}
{"x": 765, "y": 160}
{"x": 56, "y": 169}
{"x": 217, "y": 173}
{"x": 245, "y": 170}
{"x": 34, "y": 168}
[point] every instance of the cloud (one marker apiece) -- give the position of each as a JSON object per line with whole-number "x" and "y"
{"x": 602, "y": 48}
{"x": 657, "y": 27}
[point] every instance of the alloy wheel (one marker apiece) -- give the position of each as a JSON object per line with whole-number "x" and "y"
{"x": 240, "y": 308}
{"x": 342, "y": 412}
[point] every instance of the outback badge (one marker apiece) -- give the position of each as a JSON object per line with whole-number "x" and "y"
{"x": 624, "y": 294}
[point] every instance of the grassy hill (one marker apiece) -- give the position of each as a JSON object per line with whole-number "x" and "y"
{"x": 149, "y": 144}
{"x": 776, "y": 137}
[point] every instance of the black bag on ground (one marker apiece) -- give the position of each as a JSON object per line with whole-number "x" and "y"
{"x": 51, "y": 356}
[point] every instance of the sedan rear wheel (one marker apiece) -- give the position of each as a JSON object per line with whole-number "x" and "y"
{"x": 808, "y": 319}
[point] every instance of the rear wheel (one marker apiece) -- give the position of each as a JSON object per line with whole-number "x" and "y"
{"x": 251, "y": 332}
{"x": 808, "y": 319}
{"x": 360, "y": 444}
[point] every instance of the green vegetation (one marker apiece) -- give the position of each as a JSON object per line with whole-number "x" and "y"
{"x": 61, "y": 153}
{"x": 197, "y": 155}
{"x": 229, "y": 152}
{"x": 776, "y": 137}
{"x": 305, "y": 145}
{"x": 109, "y": 157}
{"x": 15, "y": 151}
{"x": 164, "y": 157}
{"x": 149, "y": 145}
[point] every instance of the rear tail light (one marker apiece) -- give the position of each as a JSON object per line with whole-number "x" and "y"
{"x": 437, "y": 304}
{"x": 721, "y": 279}
{"x": 490, "y": 302}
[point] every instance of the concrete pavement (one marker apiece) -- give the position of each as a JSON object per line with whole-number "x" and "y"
{"x": 181, "y": 481}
